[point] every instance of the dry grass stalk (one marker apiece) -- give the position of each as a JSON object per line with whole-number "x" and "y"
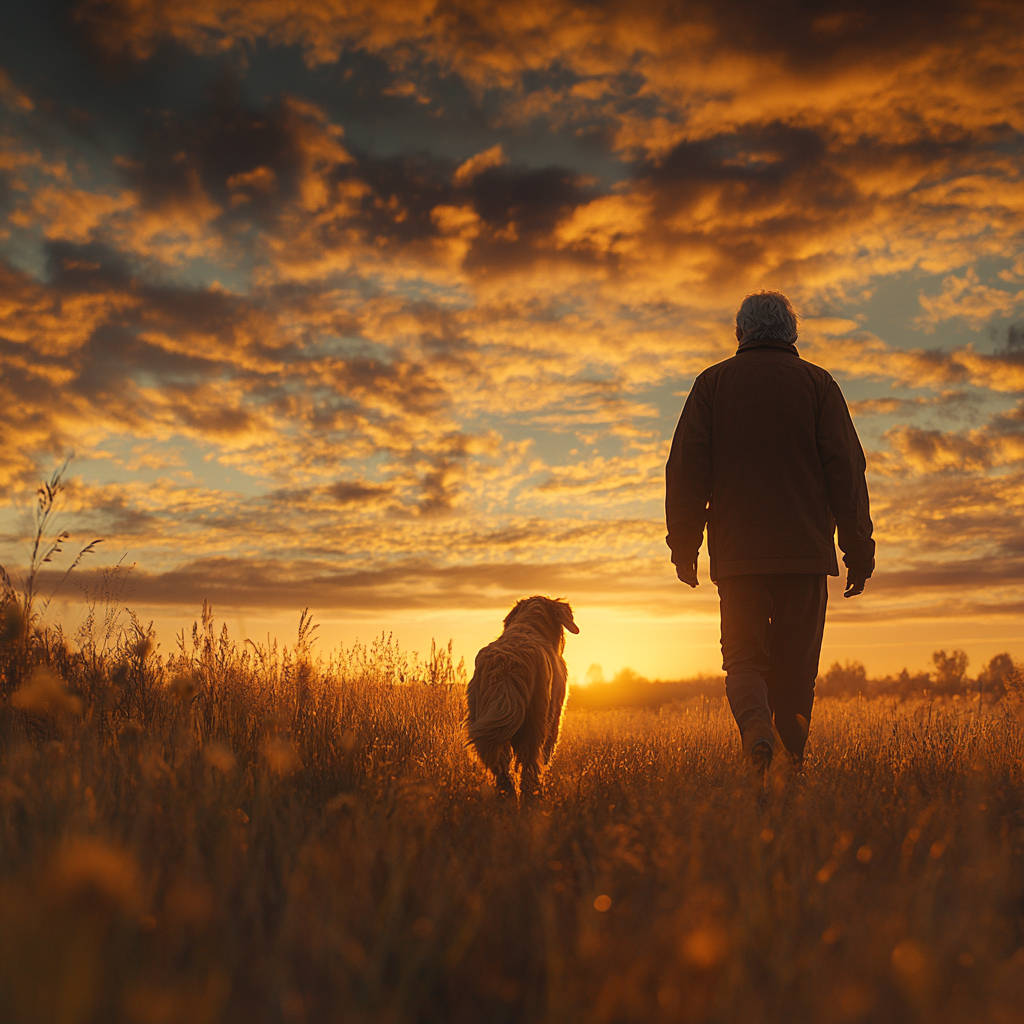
{"x": 253, "y": 834}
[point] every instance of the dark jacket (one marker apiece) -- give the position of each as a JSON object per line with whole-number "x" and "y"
{"x": 767, "y": 456}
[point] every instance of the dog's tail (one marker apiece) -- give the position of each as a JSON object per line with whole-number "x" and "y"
{"x": 499, "y": 705}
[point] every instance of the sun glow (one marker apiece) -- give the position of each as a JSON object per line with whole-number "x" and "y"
{"x": 410, "y": 348}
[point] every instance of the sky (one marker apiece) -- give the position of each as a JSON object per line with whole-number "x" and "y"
{"x": 390, "y": 309}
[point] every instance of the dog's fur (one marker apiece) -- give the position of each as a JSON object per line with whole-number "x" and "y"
{"x": 517, "y": 692}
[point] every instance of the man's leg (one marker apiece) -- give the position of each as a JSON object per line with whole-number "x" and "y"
{"x": 794, "y": 642}
{"x": 746, "y": 609}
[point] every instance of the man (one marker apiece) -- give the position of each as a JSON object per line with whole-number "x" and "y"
{"x": 766, "y": 455}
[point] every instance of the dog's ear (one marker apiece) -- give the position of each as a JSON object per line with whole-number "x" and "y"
{"x": 564, "y": 613}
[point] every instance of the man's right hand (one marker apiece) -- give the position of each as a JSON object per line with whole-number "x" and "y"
{"x": 854, "y": 584}
{"x": 688, "y": 574}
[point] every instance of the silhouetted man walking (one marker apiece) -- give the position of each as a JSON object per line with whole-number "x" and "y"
{"x": 766, "y": 455}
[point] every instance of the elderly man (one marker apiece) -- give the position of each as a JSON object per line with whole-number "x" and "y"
{"x": 766, "y": 455}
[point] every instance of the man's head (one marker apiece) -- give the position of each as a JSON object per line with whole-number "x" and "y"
{"x": 766, "y": 316}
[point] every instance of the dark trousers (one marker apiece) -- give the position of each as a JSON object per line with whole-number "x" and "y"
{"x": 772, "y": 626}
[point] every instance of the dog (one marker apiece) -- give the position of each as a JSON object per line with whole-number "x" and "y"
{"x": 517, "y": 693}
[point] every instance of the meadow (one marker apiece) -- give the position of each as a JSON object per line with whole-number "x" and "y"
{"x": 245, "y": 833}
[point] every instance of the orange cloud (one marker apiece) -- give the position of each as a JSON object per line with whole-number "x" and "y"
{"x": 466, "y": 363}
{"x": 965, "y": 298}
{"x": 469, "y": 169}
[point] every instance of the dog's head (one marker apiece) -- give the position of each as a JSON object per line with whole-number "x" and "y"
{"x": 546, "y": 614}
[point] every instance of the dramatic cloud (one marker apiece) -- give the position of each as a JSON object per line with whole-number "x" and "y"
{"x": 331, "y": 296}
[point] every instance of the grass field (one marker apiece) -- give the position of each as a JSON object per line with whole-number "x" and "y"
{"x": 247, "y": 835}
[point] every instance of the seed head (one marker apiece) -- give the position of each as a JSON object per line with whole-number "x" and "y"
{"x": 46, "y": 694}
{"x": 184, "y": 688}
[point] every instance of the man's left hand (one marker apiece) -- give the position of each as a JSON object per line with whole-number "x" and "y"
{"x": 854, "y": 585}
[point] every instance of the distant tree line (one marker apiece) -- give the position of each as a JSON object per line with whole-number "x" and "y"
{"x": 948, "y": 678}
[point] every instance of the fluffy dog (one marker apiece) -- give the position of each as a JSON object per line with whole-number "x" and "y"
{"x": 517, "y": 692}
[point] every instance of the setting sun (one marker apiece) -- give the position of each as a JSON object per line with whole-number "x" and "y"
{"x": 390, "y": 312}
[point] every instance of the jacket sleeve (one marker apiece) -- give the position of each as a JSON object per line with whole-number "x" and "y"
{"x": 688, "y": 477}
{"x": 842, "y": 459}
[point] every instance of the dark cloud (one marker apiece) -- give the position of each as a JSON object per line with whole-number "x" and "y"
{"x": 92, "y": 268}
{"x": 1001, "y": 443}
{"x": 247, "y": 161}
{"x": 400, "y": 195}
{"x": 351, "y": 492}
{"x": 252, "y": 164}
{"x": 767, "y": 185}
{"x": 112, "y": 513}
{"x": 965, "y": 574}
{"x": 1013, "y": 344}
{"x": 518, "y": 208}
{"x": 522, "y": 209}
{"x": 950, "y": 402}
{"x": 6, "y": 190}
{"x": 752, "y": 163}
{"x": 812, "y": 36}
{"x": 412, "y": 584}
{"x": 807, "y": 35}
{"x": 926, "y": 590}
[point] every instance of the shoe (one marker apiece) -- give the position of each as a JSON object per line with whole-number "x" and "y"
{"x": 761, "y": 756}
{"x": 760, "y": 761}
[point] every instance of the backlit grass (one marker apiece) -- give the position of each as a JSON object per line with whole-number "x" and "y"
{"x": 246, "y": 834}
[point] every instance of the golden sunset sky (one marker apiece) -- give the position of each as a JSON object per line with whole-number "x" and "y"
{"x": 390, "y": 309}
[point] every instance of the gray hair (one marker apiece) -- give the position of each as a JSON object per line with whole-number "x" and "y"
{"x": 767, "y": 316}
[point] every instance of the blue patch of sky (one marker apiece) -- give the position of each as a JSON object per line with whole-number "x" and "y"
{"x": 184, "y": 460}
{"x": 894, "y": 305}
{"x": 351, "y": 346}
{"x": 26, "y": 253}
{"x": 454, "y": 125}
{"x": 417, "y": 289}
{"x": 200, "y": 274}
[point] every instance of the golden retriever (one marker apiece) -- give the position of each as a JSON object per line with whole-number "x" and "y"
{"x": 517, "y": 693}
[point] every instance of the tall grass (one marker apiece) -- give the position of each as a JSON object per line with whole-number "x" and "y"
{"x": 247, "y": 834}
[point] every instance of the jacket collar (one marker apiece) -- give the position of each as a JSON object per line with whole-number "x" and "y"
{"x": 781, "y": 346}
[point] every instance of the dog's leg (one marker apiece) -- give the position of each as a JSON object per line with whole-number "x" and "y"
{"x": 530, "y": 783}
{"x": 502, "y": 774}
{"x": 526, "y": 745}
{"x": 555, "y": 708}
